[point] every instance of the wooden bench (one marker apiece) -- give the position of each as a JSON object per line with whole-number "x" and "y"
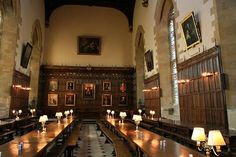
{"x": 71, "y": 142}
{"x": 6, "y": 136}
{"x": 67, "y": 146}
{"x": 120, "y": 147}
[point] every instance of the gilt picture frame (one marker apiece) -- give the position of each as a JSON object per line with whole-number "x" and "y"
{"x": 106, "y": 86}
{"x": 70, "y": 99}
{"x": 89, "y": 45}
{"x": 70, "y": 85}
{"x": 52, "y": 99}
{"x": 106, "y": 99}
{"x": 123, "y": 100}
{"x": 190, "y": 30}
{"x": 53, "y": 85}
{"x": 88, "y": 91}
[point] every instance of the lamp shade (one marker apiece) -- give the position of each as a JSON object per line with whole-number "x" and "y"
{"x": 43, "y": 118}
{"x": 71, "y": 111}
{"x": 137, "y": 118}
{"x": 198, "y": 134}
{"x": 123, "y": 114}
{"x": 112, "y": 112}
{"x": 215, "y": 138}
{"x": 58, "y": 114}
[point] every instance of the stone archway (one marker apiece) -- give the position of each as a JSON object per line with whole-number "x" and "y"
{"x": 10, "y": 12}
{"x": 163, "y": 57}
{"x": 34, "y": 66}
{"x": 139, "y": 59}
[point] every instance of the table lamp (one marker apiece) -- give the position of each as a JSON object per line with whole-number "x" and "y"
{"x": 42, "y": 120}
{"x": 58, "y": 115}
{"x": 137, "y": 119}
{"x": 215, "y": 139}
{"x": 123, "y": 115}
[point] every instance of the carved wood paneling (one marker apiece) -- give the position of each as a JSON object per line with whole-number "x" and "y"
{"x": 80, "y": 75}
{"x": 152, "y": 96}
{"x": 19, "y": 95}
{"x": 202, "y": 98}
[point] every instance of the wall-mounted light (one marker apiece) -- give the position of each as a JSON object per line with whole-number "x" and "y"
{"x": 145, "y": 3}
{"x": 215, "y": 139}
{"x": 21, "y": 87}
{"x": 208, "y": 74}
{"x": 146, "y": 90}
{"x": 183, "y": 81}
{"x": 155, "y": 88}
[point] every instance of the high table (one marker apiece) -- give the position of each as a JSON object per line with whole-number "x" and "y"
{"x": 35, "y": 143}
{"x": 152, "y": 144}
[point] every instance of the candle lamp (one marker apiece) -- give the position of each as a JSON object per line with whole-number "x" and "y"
{"x": 137, "y": 119}
{"x": 71, "y": 113}
{"x": 42, "y": 120}
{"x": 66, "y": 113}
{"x": 108, "y": 113}
{"x": 152, "y": 113}
{"x": 32, "y": 111}
{"x": 112, "y": 113}
{"x": 58, "y": 115}
{"x": 140, "y": 111}
{"x": 123, "y": 115}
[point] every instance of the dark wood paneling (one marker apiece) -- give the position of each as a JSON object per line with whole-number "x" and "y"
{"x": 152, "y": 96}
{"x": 19, "y": 96}
{"x": 202, "y": 98}
{"x": 80, "y": 75}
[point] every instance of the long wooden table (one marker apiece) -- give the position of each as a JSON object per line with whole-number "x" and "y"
{"x": 151, "y": 143}
{"x": 35, "y": 142}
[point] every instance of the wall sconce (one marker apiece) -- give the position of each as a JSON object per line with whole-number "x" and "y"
{"x": 145, "y": 3}
{"x": 182, "y": 81}
{"x": 214, "y": 140}
{"x": 21, "y": 87}
{"x": 208, "y": 74}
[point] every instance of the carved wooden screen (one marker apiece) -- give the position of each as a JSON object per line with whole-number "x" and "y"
{"x": 202, "y": 97}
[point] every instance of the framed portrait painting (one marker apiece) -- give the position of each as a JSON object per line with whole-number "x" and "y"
{"x": 88, "y": 90}
{"x": 69, "y": 99}
{"x": 53, "y": 85}
{"x": 190, "y": 31}
{"x": 52, "y": 99}
{"x": 89, "y": 45}
{"x": 106, "y": 100}
{"x": 106, "y": 86}
{"x": 70, "y": 85}
{"x": 149, "y": 60}
{"x": 123, "y": 100}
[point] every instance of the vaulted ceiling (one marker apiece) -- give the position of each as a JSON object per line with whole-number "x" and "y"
{"x": 125, "y": 6}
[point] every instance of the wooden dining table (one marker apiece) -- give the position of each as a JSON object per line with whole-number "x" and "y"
{"x": 35, "y": 143}
{"x": 150, "y": 143}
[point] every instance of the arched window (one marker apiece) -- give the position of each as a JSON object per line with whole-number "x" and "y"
{"x": 173, "y": 61}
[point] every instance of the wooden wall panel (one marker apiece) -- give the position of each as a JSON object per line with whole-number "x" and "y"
{"x": 19, "y": 95}
{"x": 80, "y": 75}
{"x": 152, "y": 96}
{"x": 202, "y": 99}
